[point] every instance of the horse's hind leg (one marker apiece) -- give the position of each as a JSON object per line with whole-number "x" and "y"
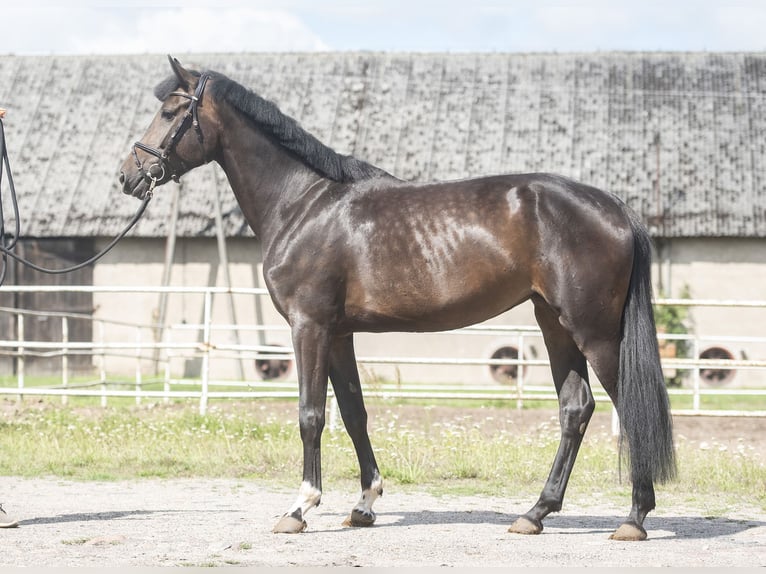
{"x": 344, "y": 376}
{"x": 576, "y": 405}
{"x": 605, "y": 362}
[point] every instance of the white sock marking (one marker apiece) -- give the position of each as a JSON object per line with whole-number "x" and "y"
{"x": 308, "y": 498}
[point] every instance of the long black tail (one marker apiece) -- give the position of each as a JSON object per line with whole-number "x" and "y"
{"x": 642, "y": 402}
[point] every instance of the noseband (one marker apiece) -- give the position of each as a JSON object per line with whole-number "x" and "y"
{"x": 162, "y": 154}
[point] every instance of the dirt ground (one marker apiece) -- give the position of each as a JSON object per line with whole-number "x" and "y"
{"x": 199, "y": 522}
{"x": 218, "y": 522}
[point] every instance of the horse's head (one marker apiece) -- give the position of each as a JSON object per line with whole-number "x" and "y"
{"x": 180, "y": 137}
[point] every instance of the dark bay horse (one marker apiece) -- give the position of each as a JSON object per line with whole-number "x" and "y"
{"x": 348, "y": 247}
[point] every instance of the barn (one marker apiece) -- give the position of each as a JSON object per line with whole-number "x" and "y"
{"x": 678, "y": 136}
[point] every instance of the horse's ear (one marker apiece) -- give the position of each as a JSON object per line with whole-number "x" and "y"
{"x": 185, "y": 77}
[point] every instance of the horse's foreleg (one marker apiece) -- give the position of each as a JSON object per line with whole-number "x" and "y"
{"x": 311, "y": 344}
{"x": 344, "y": 376}
{"x": 576, "y": 405}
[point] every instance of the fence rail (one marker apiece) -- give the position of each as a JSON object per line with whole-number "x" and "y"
{"x": 207, "y": 349}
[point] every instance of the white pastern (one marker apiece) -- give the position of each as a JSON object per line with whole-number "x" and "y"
{"x": 308, "y": 498}
{"x": 369, "y": 497}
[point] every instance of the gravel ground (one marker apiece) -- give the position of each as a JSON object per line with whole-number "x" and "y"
{"x": 202, "y": 522}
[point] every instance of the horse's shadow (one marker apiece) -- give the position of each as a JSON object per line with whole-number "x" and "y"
{"x": 670, "y": 527}
{"x": 92, "y": 516}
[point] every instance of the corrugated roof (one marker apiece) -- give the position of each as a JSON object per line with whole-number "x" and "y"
{"x": 674, "y": 134}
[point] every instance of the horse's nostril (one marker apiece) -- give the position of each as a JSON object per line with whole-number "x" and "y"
{"x": 122, "y": 177}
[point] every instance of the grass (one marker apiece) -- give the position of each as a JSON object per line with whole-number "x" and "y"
{"x": 75, "y": 541}
{"x": 721, "y": 402}
{"x": 261, "y": 441}
{"x": 125, "y": 442}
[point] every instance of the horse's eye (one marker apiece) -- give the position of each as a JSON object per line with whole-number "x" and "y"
{"x": 167, "y": 115}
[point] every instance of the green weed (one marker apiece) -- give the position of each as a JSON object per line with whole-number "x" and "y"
{"x": 254, "y": 441}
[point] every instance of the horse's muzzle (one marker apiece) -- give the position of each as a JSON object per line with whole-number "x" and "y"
{"x": 137, "y": 184}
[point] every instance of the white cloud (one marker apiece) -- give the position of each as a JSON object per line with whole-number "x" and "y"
{"x": 145, "y": 29}
{"x": 207, "y": 30}
{"x": 741, "y": 24}
{"x": 181, "y": 26}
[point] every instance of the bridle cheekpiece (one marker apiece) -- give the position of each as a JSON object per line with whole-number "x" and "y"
{"x": 163, "y": 153}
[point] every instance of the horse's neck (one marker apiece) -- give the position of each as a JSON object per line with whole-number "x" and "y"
{"x": 263, "y": 176}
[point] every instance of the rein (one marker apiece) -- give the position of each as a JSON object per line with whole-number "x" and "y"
{"x": 7, "y": 244}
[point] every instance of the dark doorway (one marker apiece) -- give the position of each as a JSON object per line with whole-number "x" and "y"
{"x": 55, "y": 254}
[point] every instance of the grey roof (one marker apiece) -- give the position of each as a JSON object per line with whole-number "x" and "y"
{"x": 675, "y": 134}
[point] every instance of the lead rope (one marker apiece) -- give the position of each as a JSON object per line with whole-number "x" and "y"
{"x": 8, "y": 243}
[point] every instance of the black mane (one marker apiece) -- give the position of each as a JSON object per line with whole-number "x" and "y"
{"x": 285, "y": 130}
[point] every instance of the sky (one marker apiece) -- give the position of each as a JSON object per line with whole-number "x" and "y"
{"x": 45, "y": 27}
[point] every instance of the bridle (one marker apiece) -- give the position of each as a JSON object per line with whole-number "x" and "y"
{"x": 163, "y": 153}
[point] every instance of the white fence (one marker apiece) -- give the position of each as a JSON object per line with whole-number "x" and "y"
{"x": 209, "y": 348}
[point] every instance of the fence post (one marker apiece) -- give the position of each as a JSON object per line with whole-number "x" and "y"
{"x": 102, "y": 363}
{"x": 138, "y": 365}
{"x": 205, "y": 352}
{"x": 696, "y": 375}
{"x": 64, "y": 357}
{"x": 520, "y": 374}
{"x": 615, "y": 421}
{"x": 334, "y": 412}
{"x": 20, "y": 363}
{"x": 166, "y": 383}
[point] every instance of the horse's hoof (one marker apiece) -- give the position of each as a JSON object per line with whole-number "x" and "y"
{"x": 524, "y": 525}
{"x": 630, "y": 532}
{"x": 289, "y": 524}
{"x": 360, "y": 518}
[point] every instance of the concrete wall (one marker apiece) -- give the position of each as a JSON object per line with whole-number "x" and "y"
{"x": 722, "y": 268}
{"x": 711, "y": 268}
